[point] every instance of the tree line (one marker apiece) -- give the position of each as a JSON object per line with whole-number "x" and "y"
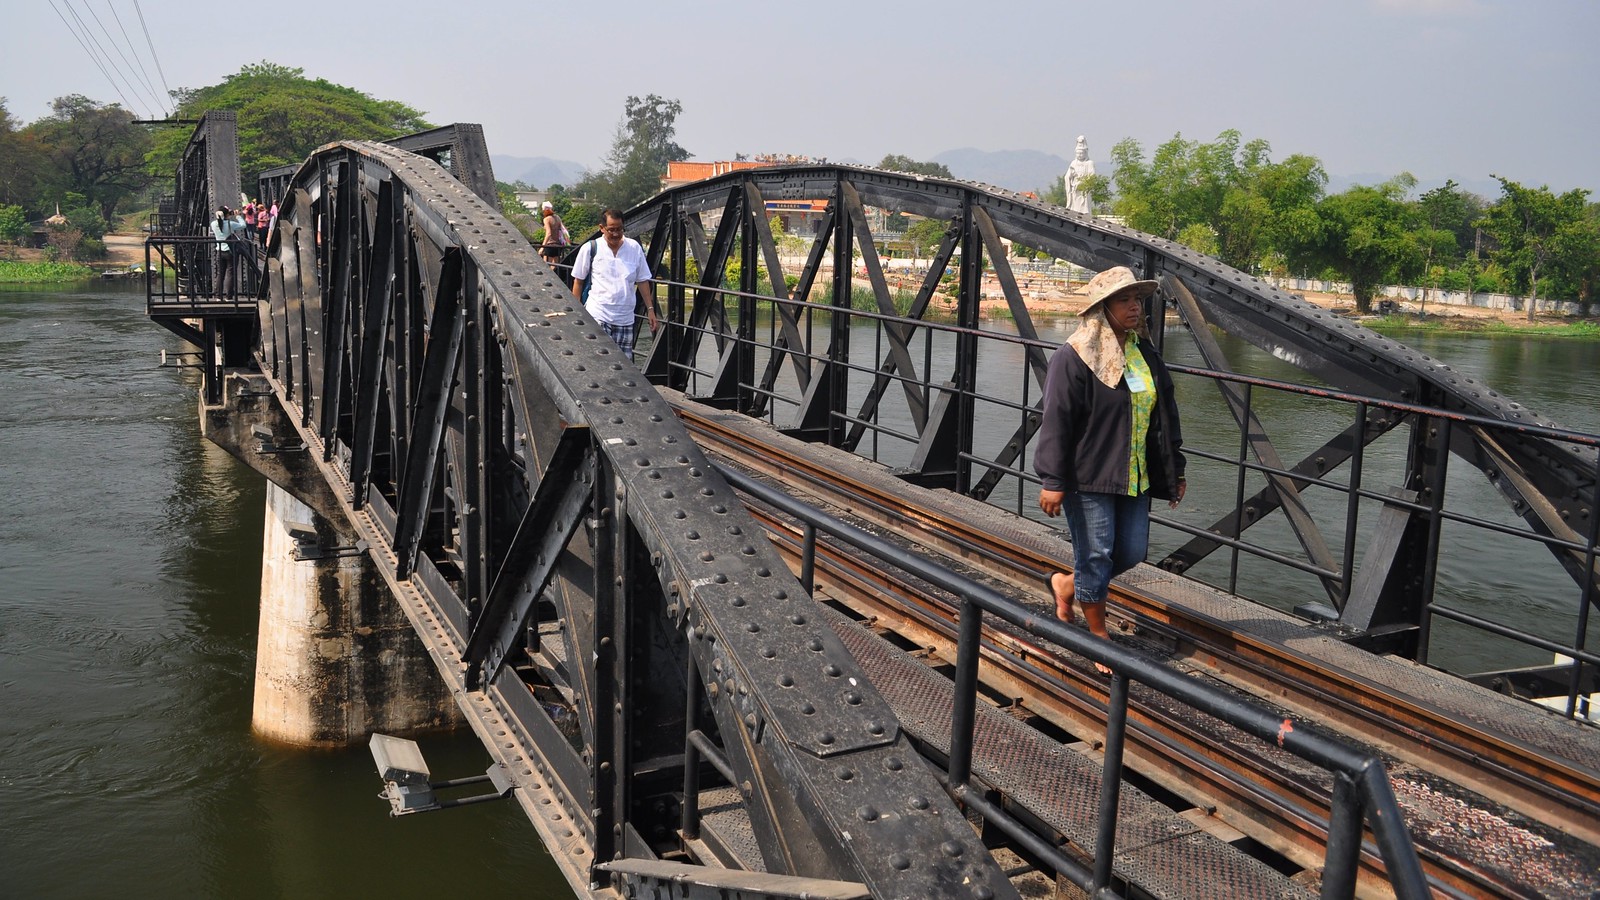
{"x": 94, "y": 164}
{"x": 1229, "y": 199}
{"x": 84, "y": 161}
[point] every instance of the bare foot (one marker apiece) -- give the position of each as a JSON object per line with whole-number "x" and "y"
{"x": 1095, "y": 615}
{"x": 1061, "y": 587}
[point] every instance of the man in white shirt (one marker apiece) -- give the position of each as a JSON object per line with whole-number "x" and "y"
{"x": 618, "y": 269}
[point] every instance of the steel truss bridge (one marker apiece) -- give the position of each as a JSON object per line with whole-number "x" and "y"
{"x": 616, "y": 624}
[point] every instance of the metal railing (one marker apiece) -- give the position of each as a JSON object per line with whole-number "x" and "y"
{"x": 199, "y": 274}
{"x": 887, "y": 434}
{"x": 1361, "y": 794}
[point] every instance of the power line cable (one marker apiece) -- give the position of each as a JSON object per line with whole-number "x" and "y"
{"x": 152, "y": 46}
{"x": 144, "y": 74}
{"x": 92, "y": 46}
{"x": 92, "y": 58}
{"x": 120, "y": 70}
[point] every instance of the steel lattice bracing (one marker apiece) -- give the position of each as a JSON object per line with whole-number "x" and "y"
{"x": 208, "y": 172}
{"x": 459, "y": 148}
{"x": 186, "y": 260}
{"x": 796, "y": 376}
{"x": 526, "y": 486}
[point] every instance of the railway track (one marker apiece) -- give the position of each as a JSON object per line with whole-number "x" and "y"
{"x": 1438, "y": 759}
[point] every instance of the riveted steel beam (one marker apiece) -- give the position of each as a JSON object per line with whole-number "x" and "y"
{"x": 663, "y": 567}
{"x": 428, "y": 419}
{"x": 547, "y": 526}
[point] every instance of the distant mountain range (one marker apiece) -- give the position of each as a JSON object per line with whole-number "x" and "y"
{"x": 1016, "y": 170}
{"x": 538, "y": 171}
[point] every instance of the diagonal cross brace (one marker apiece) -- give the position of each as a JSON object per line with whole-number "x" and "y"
{"x": 1294, "y": 508}
{"x": 1037, "y": 363}
{"x": 780, "y": 287}
{"x": 547, "y": 526}
{"x": 1332, "y": 454}
{"x": 899, "y": 335}
{"x": 381, "y": 285}
{"x": 886, "y": 370}
{"x": 428, "y": 424}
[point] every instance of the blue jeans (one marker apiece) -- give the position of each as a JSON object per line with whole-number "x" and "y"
{"x": 1110, "y": 535}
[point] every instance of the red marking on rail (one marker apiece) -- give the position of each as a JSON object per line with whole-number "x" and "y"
{"x": 1284, "y": 729}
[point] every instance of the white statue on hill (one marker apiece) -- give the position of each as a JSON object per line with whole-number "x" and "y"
{"x": 1082, "y": 167}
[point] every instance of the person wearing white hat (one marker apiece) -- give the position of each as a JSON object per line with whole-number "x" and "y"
{"x": 1108, "y": 442}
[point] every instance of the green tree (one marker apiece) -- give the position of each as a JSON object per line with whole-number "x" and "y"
{"x": 1366, "y": 234}
{"x": 1576, "y": 267}
{"x": 83, "y": 216}
{"x": 93, "y": 150}
{"x": 925, "y": 234}
{"x": 1056, "y": 193}
{"x": 526, "y": 222}
{"x": 1530, "y": 228}
{"x": 1226, "y": 196}
{"x": 1099, "y": 188}
{"x": 581, "y": 219}
{"x": 283, "y": 116}
{"x": 21, "y": 163}
{"x": 639, "y": 154}
{"x": 1451, "y": 209}
{"x": 13, "y": 223}
{"x": 894, "y": 162}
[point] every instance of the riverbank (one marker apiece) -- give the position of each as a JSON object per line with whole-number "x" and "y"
{"x": 1053, "y": 298}
{"x": 32, "y": 265}
{"x": 20, "y": 272}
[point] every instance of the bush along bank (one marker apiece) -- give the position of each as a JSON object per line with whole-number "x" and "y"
{"x": 1587, "y": 330}
{"x": 14, "y": 272}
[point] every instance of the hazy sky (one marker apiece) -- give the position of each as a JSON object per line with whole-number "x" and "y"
{"x": 1457, "y": 88}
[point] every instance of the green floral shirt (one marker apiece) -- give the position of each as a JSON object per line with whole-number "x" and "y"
{"x": 1142, "y": 387}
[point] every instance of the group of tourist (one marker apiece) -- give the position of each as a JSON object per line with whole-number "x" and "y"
{"x": 259, "y": 219}
{"x": 235, "y": 231}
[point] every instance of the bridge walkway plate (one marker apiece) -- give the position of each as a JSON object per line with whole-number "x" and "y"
{"x": 1456, "y": 821}
{"x": 1162, "y": 853}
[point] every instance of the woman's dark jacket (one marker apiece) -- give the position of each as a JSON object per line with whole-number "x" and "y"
{"x": 1087, "y": 430}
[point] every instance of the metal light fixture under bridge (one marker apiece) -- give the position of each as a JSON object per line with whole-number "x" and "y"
{"x": 405, "y": 779}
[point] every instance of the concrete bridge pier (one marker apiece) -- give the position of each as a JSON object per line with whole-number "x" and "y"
{"x": 336, "y": 658}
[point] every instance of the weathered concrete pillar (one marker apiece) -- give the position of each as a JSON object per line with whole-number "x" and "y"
{"x": 336, "y": 658}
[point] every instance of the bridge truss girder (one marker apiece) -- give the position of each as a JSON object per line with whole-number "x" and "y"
{"x": 207, "y": 177}
{"x": 1547, "y": 483}
{"x": 567, "y": 551}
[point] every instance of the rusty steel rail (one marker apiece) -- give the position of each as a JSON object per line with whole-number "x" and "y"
{"x": 1287, "y": 813}
{"x": 1490, "y": 763}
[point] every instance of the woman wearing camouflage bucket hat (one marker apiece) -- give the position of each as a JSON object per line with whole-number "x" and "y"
{"x": 1108, "y": 443}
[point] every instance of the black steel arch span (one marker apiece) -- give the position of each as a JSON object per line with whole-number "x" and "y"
{"x": 526, "y": 486}
{"x": 1550, "y": 484}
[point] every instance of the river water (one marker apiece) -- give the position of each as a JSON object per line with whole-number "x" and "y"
{"x": 129, "y": 581}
